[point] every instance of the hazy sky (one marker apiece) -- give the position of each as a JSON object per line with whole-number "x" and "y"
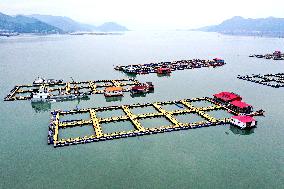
{"x": 148, "y": 14}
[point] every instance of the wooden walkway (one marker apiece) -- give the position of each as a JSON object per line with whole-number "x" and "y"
{"x": 23, "y": 92}
{"x": 139, "y": 129}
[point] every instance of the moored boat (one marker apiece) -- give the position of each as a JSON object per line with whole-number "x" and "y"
{"x": 40, "y": 81}
{"x": 40, "y": 94}
{"x": 43, "y": 95}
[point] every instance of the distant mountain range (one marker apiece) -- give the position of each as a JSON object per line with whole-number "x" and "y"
{"x": 47, "y": 24}
{"x": 237, "y": 25}
{"x": 23, "y": 24}
{"x": 64, "y": 23}
{"x": 111, "y": 26}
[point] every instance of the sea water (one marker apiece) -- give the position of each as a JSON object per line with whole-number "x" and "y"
{"x": 214, "y": 157}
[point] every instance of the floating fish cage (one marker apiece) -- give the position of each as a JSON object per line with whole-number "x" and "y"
{"x": 276, "y": 55}
{"x": 168, "y": 67}
{"x": 127, "y": 113}
{"x": 272, "y": 80}
{"x": 81, "y": 88}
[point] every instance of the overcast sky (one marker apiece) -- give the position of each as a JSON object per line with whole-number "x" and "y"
{"x": 148, "y": 14}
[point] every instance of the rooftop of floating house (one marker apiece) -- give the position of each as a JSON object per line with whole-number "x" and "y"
{"x": 165, "y": 68}
{"x": 244, "y": 119}
{"x": 111, "y": 89}
{"x": 139, "y": 87}
{"x": 227, "y": 96}
{"x": 240, "y": 104}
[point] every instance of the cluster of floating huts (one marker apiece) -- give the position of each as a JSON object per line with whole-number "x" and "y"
{"x": 168, "y": 67}
{"x": 276, "y": 55}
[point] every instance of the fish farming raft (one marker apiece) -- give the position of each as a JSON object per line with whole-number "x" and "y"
{"x": 276, "y": 55}
{"x": 272, "y": 80}
{"x": 168, "y": 67}
{"x": 182, "y": 107}
{"x": 81, "y": 88}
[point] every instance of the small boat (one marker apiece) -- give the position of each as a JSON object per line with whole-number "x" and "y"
{"x": 40, "y": 94}
{"x": 40, "y": 81}
{"x": 64, "y": 97}
{"x": 114, "y": 98}
{"x": 119, "y": 68}
{"x": 257, "y": 113}
{"x": 131, "y": 69}
{"x": 277, "y": 58}
{"x": 219, "y": 60}
{"x": 259, "y": 56}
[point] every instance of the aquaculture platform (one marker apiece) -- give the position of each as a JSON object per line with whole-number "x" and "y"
{"x": 24, "y": 92}
{"x": 276, "y": 55}
{"x": 272, "y": 80}
{"x": 167, "y": 67}
{"x": 179, "y": 107}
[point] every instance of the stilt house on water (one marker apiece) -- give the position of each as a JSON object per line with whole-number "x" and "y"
{"x": 226, "y": 97}
{"x": 243, "y": 121}
{"x": 164, "y": 70}
{"x": 241, "y": 107}
{"x": 113, "y": 91}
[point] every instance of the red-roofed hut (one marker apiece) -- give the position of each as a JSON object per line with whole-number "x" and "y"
{"x": 164, "y": 70}
{"x": 243, "y": 121}
{"x": 227, "y": 97}
{"x": 241, "y": 107}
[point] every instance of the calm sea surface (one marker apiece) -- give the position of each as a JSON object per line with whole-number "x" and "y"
{"x": 214, "y": 157}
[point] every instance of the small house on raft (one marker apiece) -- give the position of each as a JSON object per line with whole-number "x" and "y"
{"x": 139, "y": 89}
{"x": 241, "y": 107}
{"x": 164, "y": 70}
{"x": 113, "y": 91}
{"x": 243, "y": 121}
{"x": 277, "y": 54}
{"x": 142, "y": 88}
{"x": 226, "y": 97}
{"x": 219, "y": 60}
